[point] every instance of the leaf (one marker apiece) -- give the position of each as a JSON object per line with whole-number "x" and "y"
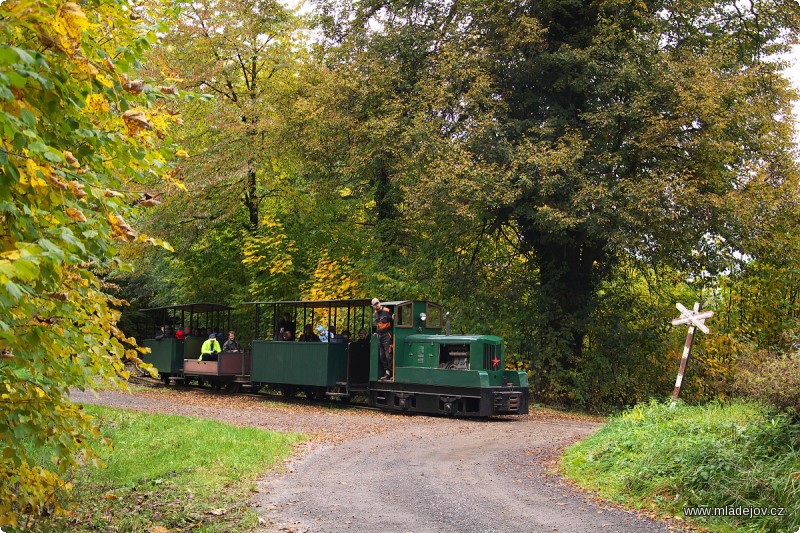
{"x": 28, "y": 118}
{"x": 23, "y": 55}
{"x": 8, "y": 55}
{"x": 16, "y": 79}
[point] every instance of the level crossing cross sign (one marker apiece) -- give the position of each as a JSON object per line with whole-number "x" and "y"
{"x": 695, "y": 319}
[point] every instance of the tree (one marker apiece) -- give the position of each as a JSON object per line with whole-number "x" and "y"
{"x": 595, "y": 132}
{"x": 242, "y": 53}
{"x": 82, "y": 142}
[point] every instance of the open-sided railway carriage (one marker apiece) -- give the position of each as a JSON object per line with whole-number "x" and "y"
{"x": 177, "y": 359}
{"x": 336, "y": 368}
{"x": 434, "y": 372}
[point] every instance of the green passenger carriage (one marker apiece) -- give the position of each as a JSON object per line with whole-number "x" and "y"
{"x": 336, "y": 368}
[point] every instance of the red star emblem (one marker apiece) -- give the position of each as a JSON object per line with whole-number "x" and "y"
{"x": 495, "y": 361}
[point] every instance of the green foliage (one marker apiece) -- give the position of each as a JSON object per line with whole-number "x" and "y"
{"x": 269, "y": 255}
{"x": 80, "y": 141}
{"x": 631, "y": 352}
{"x": 717, "y": 455}
{"x": 169, "y": 471}
{"x": 245, "y": 69}
{"x": 592, "y": 135}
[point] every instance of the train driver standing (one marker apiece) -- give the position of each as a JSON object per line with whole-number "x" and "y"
{"x": 383, "y": 323}
{"x": 210, "y": 349}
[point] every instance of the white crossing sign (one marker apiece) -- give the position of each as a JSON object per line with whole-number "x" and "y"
{"x": 692, "y": 317}
{"x": 695, "y": 319}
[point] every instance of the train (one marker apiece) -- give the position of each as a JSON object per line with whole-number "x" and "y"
{"x": 434, "y": 372}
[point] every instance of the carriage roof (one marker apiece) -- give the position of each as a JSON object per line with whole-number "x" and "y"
{"x": 200, "y": 307}
{"x": 329, "y": 303}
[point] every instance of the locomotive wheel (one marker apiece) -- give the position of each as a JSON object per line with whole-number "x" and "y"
{"x": 290, "y": 391}
{"x": 200, "y": 382}
{"x": 165, "y": 378}
{"x": 311, "y": 393}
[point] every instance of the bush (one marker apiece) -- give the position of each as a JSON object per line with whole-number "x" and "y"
{"x": 775, "y": 380}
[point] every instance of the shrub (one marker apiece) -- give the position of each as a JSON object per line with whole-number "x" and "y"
{"x": 774, "y": 380}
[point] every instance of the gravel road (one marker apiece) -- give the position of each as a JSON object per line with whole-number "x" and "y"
{"x": 365, "y": 471}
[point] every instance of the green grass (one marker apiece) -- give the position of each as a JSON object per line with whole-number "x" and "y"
{"x": 718, "y": 455}
{"x": 175, "y": 472}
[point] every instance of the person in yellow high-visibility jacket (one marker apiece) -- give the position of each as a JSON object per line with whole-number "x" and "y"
{"x": 210, "y": 349}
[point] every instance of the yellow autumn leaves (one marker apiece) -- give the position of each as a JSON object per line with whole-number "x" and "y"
{"x": 333, "y": 279}
{"x": 96, "y": 104}
{"x": 69, "y": 24}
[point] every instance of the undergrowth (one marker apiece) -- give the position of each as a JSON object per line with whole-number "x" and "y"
{"x": 737, "y": 456}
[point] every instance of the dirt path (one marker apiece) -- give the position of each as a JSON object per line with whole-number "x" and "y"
{"x": 367, "y": 471}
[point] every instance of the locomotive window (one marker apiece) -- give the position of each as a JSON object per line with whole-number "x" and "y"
{"x": 434, "y": 319}
{"x": 404, "y": 316}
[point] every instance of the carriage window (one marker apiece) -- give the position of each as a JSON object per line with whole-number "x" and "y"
{"x": 434, "y": 319}
{"x": 404, "y": 316}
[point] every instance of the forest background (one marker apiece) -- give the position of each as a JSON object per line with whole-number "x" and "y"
{"x": 558, "y": 174}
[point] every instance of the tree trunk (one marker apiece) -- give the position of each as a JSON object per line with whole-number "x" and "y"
{"x": 384, "y": 202}
{"x": 251, "y": 199}
{"x": 568, "y": 277}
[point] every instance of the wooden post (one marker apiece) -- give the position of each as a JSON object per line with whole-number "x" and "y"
{"x": 695, "y": 319}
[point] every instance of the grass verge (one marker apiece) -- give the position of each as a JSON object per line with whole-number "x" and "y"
{"x": 735, "y": 456}
{"x": 170, "y": 473}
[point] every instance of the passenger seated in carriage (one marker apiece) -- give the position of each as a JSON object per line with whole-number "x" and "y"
{"x": 210, "y": 350}
{"x": 308, "y": 334}
{"x": 285, "y": 324}
{"x": 324, "y": 336}
{"x": 337, "y": 338}
{"x": 231, "y": 345}
{"x": 363, "y": 337}
{"x": 164, "y": 333}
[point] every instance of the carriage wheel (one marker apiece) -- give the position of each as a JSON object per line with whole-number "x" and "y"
{"x": 290, "y": 391}
{"x": 165, "y": 378}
